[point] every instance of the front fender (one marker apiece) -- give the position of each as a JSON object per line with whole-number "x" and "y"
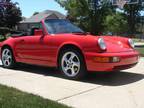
{"x": 70, "y": 43}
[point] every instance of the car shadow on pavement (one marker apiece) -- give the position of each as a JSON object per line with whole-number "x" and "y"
{"x": 117, "y": 78}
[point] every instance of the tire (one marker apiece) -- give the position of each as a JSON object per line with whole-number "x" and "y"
{"x": 8, "y": 60}
{"x": 71, "y": 64}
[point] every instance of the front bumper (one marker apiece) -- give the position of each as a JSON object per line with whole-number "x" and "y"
{"x": 127, "y": 60}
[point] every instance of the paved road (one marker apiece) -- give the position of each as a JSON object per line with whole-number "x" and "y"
{"x": 119, "y": 90}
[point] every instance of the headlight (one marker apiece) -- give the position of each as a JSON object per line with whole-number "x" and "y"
{"x": 101, "y": 44}
{"x": 131, "y": 43}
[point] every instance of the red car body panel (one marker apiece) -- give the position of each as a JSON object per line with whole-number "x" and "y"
{"x": 44, "y": 49}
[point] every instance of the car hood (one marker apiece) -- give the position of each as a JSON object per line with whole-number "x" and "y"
{"x": 114, "y": 44}
{"x": 117, "y": 44}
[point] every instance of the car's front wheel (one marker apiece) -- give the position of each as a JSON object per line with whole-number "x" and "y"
{"x": 71, "y": 64}
{"x": 7, "y": 58}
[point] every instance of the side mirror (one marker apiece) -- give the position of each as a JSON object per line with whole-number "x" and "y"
{"x": 38, "y": 32}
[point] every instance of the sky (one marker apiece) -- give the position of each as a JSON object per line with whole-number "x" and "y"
{"x": 28, "y": 7}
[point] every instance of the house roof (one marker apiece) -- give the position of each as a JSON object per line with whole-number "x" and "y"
{"x": 42, "y": 15}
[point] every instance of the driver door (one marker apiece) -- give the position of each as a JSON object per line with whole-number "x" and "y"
{"x": 27, "y": 47}
{"x": 32, "y": 48}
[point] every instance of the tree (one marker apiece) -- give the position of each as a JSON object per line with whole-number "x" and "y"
{"x": 93, "y": 20}
{"x": 23, "y": 18}
{"x": 80, "y": 13}
{"x": 116, "y": 23}
{"x": 11, "y": 15}
{"x": 132, "y": 12}
{"x": 35, "y": 13}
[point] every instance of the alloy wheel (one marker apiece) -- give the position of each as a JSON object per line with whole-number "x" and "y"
{"x": 7, "y": 57}
{"x": 70, "y": 64}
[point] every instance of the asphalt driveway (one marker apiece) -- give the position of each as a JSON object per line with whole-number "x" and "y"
{"x": 123, "y": 89}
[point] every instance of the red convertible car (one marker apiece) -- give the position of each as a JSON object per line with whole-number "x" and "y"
{"x": 58, "y": 43}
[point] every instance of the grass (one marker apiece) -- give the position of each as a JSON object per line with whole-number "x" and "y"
{"x": 138, "y": 40}
{"x": 140, "y": 50}
{"x": 12, "y": 98}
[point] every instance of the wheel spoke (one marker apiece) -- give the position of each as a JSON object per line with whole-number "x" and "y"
{"x": 7, "y": 53}
{"x": 65, "y": 59}
{"x": 9, "y": 57}
{"x": 77, "y": 64}
{"x": 4, "y": 61}
{"x": 67, "y": 68}
{"x": 72, "y": 57}
{"x": 8, "y": 62}
{"x": 73, "y": 71}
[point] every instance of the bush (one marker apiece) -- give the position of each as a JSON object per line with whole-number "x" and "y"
{"x": 4, "y": 33}
{"x": 2, "y": 38}
{"x": 4, "y": 30}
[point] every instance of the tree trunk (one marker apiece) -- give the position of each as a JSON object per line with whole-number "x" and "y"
{"x": 132, "y": 20}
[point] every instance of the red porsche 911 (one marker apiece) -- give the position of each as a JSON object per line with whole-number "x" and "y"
{"x": 58, "y": 43}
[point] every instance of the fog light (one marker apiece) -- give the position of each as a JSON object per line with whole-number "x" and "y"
{"x": 115, "y": 59}
{"x": 107, "y": 59}
{"x": 102, "y": 59}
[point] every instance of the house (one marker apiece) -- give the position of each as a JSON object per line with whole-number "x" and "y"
{"x": 34, "y": 20}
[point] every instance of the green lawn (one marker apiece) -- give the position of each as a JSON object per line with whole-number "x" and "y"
{"x": 12, "y": 98}
{"x": 138, "y": 40}
{"x": 140, "y": 50}
{"x": 1, "y": 38}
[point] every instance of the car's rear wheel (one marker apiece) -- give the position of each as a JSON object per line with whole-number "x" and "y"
{"x": 71, "y": 64}
{"x": 7, "y": 58}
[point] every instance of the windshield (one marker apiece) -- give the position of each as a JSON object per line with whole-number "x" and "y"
{"x": 60, "y": 26}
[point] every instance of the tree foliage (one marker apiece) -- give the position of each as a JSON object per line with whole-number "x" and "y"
{"x": 35, "y": 13}
{"x": 79, "y": 11}
{"x": 102, "y": 18}
{"x": 132, "y": 12}
{"x": 116, "y": 24}
{"x": 10, "y": 15}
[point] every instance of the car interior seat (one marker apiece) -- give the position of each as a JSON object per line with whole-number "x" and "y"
{"x": 33, "y": 30}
